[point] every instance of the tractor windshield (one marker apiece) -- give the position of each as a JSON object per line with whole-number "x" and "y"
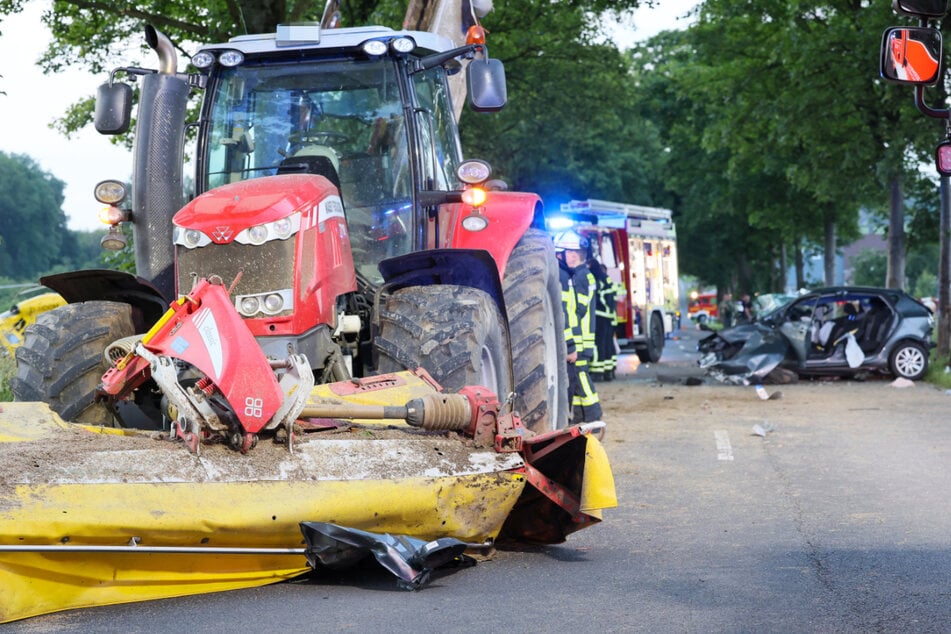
{"x": 342, "y": 119}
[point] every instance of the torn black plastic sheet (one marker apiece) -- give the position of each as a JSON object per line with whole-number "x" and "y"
{"x": 411, "y": 559}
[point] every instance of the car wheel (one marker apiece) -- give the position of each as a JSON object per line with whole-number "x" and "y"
{"x": 908, "y": 360}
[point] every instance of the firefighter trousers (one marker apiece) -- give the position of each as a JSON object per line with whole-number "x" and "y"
{"x": 585, "y": 402}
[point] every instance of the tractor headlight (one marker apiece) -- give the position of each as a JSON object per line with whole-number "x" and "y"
{"x": 203, "y": 59}
{"x": 192, "y": 238}
{"x": 231, "y": 58}
{"x": 270, "y": 303}
{"x": 374, "y": 48}
{"x": 273, "y": 304}
{"x": 189, "y": 238}
{"x": 473, "y": 171}
{"x": 110, "y": 192}
{"x": 257, "y": 235}
{"x": 402, "y": 45}
{"x": 281, "y": 229}
{"x": 249, "y": 305}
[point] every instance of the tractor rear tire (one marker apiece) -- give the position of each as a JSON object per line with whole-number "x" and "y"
{"x": 61, "y": 361}
{"x": 532, "y": 290}
{"x": 450, "y": 331}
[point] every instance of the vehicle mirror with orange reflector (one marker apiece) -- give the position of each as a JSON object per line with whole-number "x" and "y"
{"x": 911, "y": 55}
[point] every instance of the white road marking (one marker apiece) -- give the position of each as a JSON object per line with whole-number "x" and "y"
{"x": 724, "y": 450}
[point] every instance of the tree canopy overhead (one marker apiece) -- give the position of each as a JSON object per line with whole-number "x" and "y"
{"x": 778, "y": 130}
{"x": 763, "y": 126}
{"x": 95, "y": 33}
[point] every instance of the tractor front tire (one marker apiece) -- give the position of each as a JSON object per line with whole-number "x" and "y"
{"x": 450, "y": 331}
{"x": 61, "y": 361}
{"x": 532, "y": 291}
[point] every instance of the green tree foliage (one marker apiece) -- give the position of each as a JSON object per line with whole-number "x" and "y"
{"x": 32, "y": 222}
{"x": 868, "y": 268}
{"x": 778, "y": 127}
{"x": 95, "y": 35}
{"x": 34, "y": 238}
{"x": 569, "y": 129}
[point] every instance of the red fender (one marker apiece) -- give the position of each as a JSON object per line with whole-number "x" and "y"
{"x": 509, "y": 214}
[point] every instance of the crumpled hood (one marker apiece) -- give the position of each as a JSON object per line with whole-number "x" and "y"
{"x": 743, "y": 355}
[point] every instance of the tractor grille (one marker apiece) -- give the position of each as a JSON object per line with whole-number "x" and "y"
{"x": 263, "y": 268}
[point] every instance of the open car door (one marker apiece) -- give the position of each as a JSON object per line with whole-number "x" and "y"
{"x": 797, "y": 326}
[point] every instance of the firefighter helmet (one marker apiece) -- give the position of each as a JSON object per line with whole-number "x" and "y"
{"x": 571, "y": 240}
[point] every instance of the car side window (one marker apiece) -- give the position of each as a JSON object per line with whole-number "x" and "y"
{"x": 802, "y": 311}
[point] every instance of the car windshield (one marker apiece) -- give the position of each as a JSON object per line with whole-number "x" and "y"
{"x": 769, "y": 306}
{"x": 769, "y": 302}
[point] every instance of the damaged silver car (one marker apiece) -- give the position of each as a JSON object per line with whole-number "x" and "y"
{"x": 837, "y": 331}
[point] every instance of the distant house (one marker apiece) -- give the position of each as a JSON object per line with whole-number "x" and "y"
{"x": 814, "y": 269}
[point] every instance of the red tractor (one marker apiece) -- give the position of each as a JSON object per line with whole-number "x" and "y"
{"x": 334, "y": 209}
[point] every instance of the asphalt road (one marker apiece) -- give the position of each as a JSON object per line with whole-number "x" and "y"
{"x": 833, "y": 523}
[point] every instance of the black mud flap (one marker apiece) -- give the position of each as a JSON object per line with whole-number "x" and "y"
{"x": 570, "y": 482}
{"x": 412, "y": 560}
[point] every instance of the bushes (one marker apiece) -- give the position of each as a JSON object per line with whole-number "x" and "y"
{"x": 8, "y": 368}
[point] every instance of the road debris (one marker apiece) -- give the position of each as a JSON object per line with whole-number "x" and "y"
{"x": 766, "y": 396}
{"x": 902, "y": 382}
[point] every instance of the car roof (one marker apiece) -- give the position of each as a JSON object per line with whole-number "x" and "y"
{"x": 876, "y": 290}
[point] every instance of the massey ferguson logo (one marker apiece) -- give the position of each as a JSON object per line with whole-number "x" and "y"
{"x": 222, "y": 234}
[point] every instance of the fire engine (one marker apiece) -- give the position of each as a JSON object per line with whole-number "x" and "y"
{"x": 638, "y": 247}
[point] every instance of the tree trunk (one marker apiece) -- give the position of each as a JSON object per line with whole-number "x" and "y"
{"x": 800, "y": 266}
{"x": 783, "y": 267}
{"x": 944, "y": 275}
{"x": 828, "y": 258}
{"x": 745, "y": 275}
{"x": 260, "y": 17}
{"x": 895, "y": 272}
{"x": 448, "y": 20}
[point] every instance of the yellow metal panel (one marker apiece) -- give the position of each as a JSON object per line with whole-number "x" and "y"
{"x": 214, "y": 515}
{"x": 597, "y": 487}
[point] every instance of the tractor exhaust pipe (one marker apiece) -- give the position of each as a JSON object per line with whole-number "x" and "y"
{"x": 159, "y": 42}
{"x": 157, "y": 167}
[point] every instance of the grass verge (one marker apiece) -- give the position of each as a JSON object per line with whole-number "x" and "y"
{"x": 8, "y": 368}
{"x": 939, "y": 373}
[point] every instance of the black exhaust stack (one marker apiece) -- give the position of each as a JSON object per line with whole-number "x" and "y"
{"x": 158, "y": 156}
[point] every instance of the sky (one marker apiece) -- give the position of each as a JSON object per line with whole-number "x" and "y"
{"x": 33, "y": 101}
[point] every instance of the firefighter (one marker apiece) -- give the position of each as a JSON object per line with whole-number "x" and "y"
{"x": 572, "y": 250}
{"x": 726, "y": 310}
{"x": 569, "y": 304}
{"x": 605, "y": 321}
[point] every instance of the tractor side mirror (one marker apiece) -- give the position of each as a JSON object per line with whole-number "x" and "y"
{"x": 113, "y": 108}
{"x": 921, "y": 8}
{"x": 485, "y": 80}
{"x": 911, "y": 55}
